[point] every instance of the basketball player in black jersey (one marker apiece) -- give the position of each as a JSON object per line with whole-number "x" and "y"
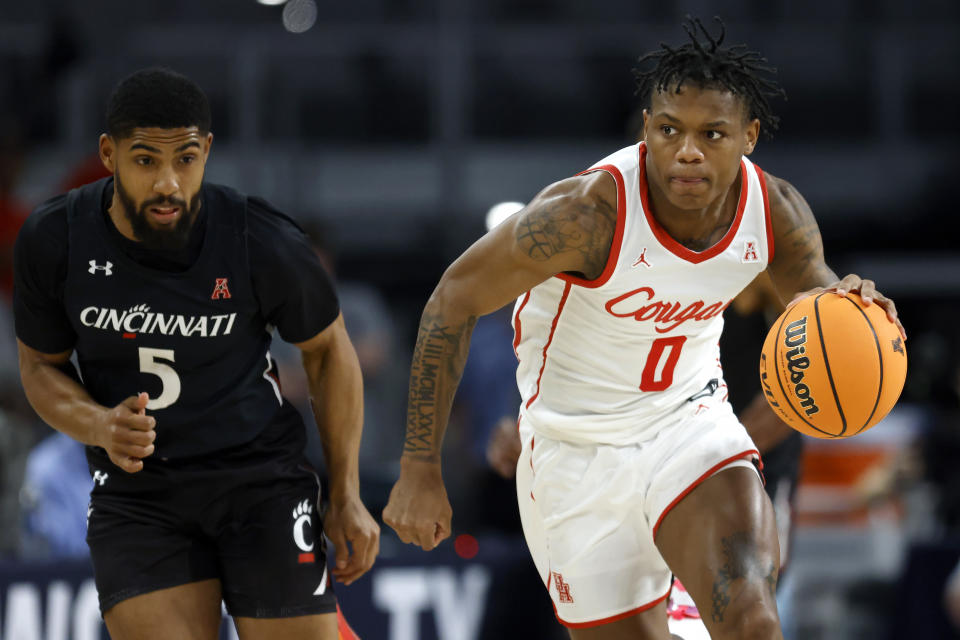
{"x": 166, "y": 288}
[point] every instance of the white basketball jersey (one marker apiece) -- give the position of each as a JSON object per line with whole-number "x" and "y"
{"x": 609, "y": 360}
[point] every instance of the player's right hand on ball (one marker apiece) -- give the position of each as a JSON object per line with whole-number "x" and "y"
{"x": 127, "y": 433}
{"x": 418, "y": 509}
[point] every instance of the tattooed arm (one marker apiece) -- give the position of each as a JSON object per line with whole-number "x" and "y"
{"x": 798, "y": 263}
{"x": 568, "y": 227}
{"x": 798, "y": 267}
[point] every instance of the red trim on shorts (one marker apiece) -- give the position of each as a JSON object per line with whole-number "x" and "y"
{"x": 553, "y": 328}
{"x": 667, "y": 240}
{"x": 619, "y": 616}
{"x": 516, "y": 325}
{"x": 533, "y": 440}
{"x": 344, "y": 631}
{"x": 614, "y": 255}
{"x": 766, "y": 212}
{"x": 698, "y": 481}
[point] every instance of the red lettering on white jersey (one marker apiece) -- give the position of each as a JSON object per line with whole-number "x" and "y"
{"x": 668, "y": 314}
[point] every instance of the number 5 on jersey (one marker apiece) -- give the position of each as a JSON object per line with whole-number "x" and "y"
{"x": 151, "y": 361}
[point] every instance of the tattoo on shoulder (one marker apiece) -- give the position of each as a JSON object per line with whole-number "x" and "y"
{"x": 584, "y": 226}
{"x": 808, "y": 269}
{"x": 800, "y": 240}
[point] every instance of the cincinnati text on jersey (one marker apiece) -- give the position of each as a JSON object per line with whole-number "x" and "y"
{"x": 139, "y": 319}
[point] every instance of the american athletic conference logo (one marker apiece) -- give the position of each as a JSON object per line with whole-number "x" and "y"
{"x": 301, "y": 522}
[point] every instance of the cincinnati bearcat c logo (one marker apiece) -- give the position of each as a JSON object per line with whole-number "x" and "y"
{"x": 301, "y": 521}
{"x": 794, "y": 338}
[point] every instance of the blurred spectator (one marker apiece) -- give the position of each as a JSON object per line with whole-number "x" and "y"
{"x": 486, "y": 408}
{"x": 12, "y": 212}
{"x": 54, "y": 498}
{"x": 15, "y": 442}
{"x": 370, "y": 324}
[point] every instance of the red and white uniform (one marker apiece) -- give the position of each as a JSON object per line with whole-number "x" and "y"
{"x": 609, "y": 360}
{"x": 624, "y": 407}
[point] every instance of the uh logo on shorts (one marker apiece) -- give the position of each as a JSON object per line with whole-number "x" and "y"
{"x": 301, "y": 523}
{"x": 563, "y": 588}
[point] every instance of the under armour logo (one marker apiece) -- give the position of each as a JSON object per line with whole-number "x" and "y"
{"x": 563, "y": 589}
{"x": 107, "y": 268}
{"x": 898, "y": 346}
{"x": 100, "y": 477}
{"x": 642, "y": 260}
{"x": 750, "y": 251}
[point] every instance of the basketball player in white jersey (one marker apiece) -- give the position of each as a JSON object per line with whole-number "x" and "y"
{"x": 633, "y": 463}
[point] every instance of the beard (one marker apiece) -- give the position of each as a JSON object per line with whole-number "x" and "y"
{"x": 170, "y": 238}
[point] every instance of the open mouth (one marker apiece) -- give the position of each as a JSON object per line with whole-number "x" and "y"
{"x": 164, "y": 214}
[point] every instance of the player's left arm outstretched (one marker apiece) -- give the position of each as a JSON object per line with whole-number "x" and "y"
{"x": 798, "y": 268}
{"x": 336, "y": 394}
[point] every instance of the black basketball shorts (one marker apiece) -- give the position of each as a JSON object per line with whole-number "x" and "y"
{"x": 248, "y": 517}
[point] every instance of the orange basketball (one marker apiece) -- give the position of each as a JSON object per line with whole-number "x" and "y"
{"x": 832, "y": 367}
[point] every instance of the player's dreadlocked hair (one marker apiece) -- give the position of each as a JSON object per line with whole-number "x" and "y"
{"x": 710, "y": 66}
{"x": 156, "y": 97}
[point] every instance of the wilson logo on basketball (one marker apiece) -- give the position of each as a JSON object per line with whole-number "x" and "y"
{"x": 794, "y": 338}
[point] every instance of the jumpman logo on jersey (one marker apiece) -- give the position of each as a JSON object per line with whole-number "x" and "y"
{"x": 750, "y": 251}
{"x": 107, "y": 268}
{"x": 642, "y": 260}
{"x": 100, "y": 477}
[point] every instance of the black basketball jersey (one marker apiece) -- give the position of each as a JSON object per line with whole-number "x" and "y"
{"x": 195, "y": 341}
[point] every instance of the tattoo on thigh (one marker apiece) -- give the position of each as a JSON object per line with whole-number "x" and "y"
{"x": 742, "y": 560}
{"x": 738, "y": 550}
{"x": 772, "y": 578}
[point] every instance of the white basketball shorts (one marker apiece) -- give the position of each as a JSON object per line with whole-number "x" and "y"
{"x": 590, "y": 511}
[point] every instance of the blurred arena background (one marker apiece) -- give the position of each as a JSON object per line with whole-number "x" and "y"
{"x": 389, "y": 128}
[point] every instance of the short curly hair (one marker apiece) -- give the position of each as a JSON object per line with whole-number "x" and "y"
{"x": 156, "y": 97}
